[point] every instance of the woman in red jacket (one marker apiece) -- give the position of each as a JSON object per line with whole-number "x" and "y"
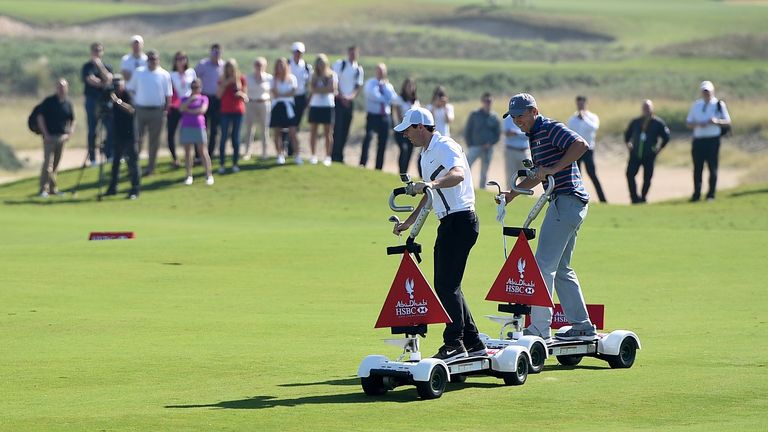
{"x": 233, "y": 94}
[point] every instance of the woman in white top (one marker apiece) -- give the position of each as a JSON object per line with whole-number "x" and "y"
{"x": 442, "y": 111}
{"x": 406, "y": 100}
{"x": 182, "y": 77}
{"x": 323, "y": 87}
{"x": 259, "y": 106}
{"x": 283, "y": 110}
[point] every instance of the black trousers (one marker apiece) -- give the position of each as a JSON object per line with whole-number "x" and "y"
{"x": 588, "y": 158}
{"x": 212, "y": 121}
{"x": 342, "y": 122}
{"x": 406, "y": 150}
{"x": 456, "y": 235}
{"x": 375, "y": 124}
{"x": 174, "y": 116}
{"x": 633, "y": 167}
{"x": 705, "y": 150}
{"x": 125, "y": 146}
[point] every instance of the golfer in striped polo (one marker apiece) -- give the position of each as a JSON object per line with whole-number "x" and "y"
{"x": 555, "y": 150}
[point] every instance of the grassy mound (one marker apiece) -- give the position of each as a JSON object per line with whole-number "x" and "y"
{"x": 249, "y": 305}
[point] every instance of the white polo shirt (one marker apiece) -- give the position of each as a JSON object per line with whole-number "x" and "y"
{"x": 701, "y": 112}
{"x": 150, "y": 88}
{"x": 442, "y": 154}
{"x": 586, "y": 127}
{"x": 302, "y": 71}
{"x": 351, "y": 76}
{"x": 130, "y": 63}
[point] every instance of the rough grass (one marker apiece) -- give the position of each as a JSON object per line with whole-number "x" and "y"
{"x": 249, "y": 305}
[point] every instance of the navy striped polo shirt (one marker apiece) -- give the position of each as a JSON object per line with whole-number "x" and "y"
{"x": 549, "y": 140}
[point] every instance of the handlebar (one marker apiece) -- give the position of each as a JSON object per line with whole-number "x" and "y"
{"x": 536, "y": 209}
{"x": 396, "y": 192}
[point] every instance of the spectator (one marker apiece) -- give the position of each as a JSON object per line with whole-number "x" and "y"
{"x": 642, "y": 140}
{"x": 482, "y": 131}
{"x": 151, "y": 90}
{"x": 302, "y": 71}
{"x": 192, "y": 133}
{"x": 442, "y": 111}
{"x": 233, "y": 94}
{"x": 323, "y": 87}
{"x": 56, "y": 122}
{"x": 259, "y": 85}
{"x": 586, "y": 123}
{"x": 97, "y": 77}
{"x": 516, "y": 149}
{"x": 283, "y": 110}
{"x": 406, "y": 100}
{"x": 350, "y": 75}
{"x": 181, "y": 78}
{"x": 125, "y": 139}
{"x": 133, "y": 60}
{"x": 378, "y": 99}
{"x": 706, "y": 117}
{"x": 209, "y": 70}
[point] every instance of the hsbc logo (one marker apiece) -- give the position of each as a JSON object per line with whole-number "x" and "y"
{"x": 520, "y": 286}
{"x": 411, "y": 308}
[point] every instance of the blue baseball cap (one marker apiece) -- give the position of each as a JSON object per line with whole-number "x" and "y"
{"x": 519, "y": 104}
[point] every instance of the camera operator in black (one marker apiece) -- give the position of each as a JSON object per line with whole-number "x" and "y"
{"x": 642, "y": 140}
{"x": 125, "y": 144}
{"x": 97, "y": 80}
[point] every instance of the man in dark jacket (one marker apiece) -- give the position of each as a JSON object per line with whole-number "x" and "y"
{"x": 642, "y": 139}
{"x": 56, "y": 122}
{"x": 482, "y": 131}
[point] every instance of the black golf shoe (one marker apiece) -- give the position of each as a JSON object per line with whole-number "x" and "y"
{"x": 448, "y": 353}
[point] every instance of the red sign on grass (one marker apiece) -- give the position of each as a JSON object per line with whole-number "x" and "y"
{"x": 111, "y": 235}
{"x": 411, "y": 300}
{"x": 596, "y": 314}
{"x": 520, "y": 280}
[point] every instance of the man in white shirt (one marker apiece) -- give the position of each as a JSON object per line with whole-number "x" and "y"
{"x": 378, "y": 104}
{"x": 303, "y": 72}
{"x": 516, "y": 149}
{"x": 350, "y": 75}
{"x": 152, "y": 90}
{"x": 706, "y": 118}
{"x": 135, "y": 59}
{"x": 586, "y": 123}
{"x": 443, "y": 161}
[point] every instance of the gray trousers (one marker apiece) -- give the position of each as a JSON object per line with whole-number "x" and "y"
{"x": 557, "y": 238}
{"x": 485, "y": 155}
{"x": 150, "y": 119}
{"x": 513, "y": 159}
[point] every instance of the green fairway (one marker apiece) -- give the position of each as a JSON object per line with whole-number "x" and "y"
{"x": 249, "y": 305}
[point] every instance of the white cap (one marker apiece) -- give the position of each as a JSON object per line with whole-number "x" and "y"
{"x": 707, "y": 85}
{"x": 137, "y": 38}
{"x": 298, "y": 46}
{"x": 415, "y": 116}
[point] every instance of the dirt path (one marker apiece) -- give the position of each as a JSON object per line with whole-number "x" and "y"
{"x": 668, "y": 182}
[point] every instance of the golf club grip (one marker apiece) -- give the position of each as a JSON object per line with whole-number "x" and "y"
{"x": 398, "y": 191}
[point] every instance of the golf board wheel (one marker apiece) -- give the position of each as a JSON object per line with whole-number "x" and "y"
{"x": 569, "y": 360}
{"x": 520, "y": 374}
{"x": 538, "y": 356}
{"x": 373, "y": 385}
{"x": 626, "y": 357}
{"x": 435, "y": 386}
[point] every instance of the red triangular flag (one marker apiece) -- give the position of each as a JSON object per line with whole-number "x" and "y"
{"x": 520, "y": 280}
{"x": 411, "y": 300}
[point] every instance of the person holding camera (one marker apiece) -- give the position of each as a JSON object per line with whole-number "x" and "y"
{"x": 97, "y": 80}
{"x": 125, "y": 145}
